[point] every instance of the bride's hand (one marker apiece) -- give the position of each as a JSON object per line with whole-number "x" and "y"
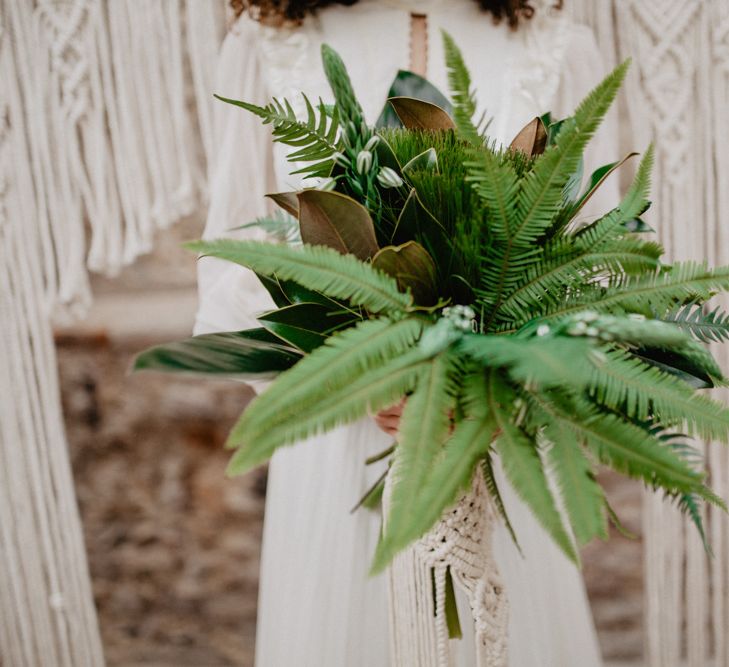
{"x": 389, "y": 418}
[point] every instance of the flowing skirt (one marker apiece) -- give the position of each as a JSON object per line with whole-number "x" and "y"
{"x": 319, "y": 608}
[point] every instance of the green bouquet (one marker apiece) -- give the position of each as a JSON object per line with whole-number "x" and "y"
{"x": 430, "y": 263}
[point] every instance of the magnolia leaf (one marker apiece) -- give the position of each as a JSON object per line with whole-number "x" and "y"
{"x": 427, "y": 160}
{"x": 599, "y": 176}
{"x": 386, "y": 156}
{"x": 275, "y": 289}
{"x": 337, "y": 221}
{"x": 532, "y": 138}
{"x": 304, "y": 325}
{"x": 409, "y": 84}
{"x": 288, "y": 201}
{"x": 638, "y": 226}
{"x": 421, "y": 115}
{"x": 412, "y": 267}
{"x": 254, "y": 353}
{"x": 416, "y": 222}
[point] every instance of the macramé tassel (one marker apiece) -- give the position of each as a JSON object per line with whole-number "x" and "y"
{"x": 461, "y": 543}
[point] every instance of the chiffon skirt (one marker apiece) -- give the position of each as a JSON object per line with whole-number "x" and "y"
{"x": 319, "y": 608}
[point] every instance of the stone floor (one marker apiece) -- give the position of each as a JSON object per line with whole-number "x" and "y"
{"x": 174, "y": 545}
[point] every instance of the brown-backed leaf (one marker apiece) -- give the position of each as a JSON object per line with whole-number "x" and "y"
{"x": 337, "y": 221}
{"x": 419, "y": 115}
{"x": 288, "y": 201}
{"x": 412, "y": 267}
{"x": 532, "y": 138}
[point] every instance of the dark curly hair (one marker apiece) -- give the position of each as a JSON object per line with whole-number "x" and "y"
{"x": 295, "y": 10}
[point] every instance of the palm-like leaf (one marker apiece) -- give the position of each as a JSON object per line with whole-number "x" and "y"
{"x": 314, "y": 139}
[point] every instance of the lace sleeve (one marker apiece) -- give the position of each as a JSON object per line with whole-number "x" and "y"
{"x": 229, "y": 295}
{"x": 583, "y": 69}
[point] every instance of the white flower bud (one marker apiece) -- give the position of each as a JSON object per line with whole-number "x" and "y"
{"x": 364, "y": 162}
{"x": 542, "y": 330}
{"x": 328, "y": 184}
{"x": 372, "y": 143}
{"x": 388, "y": 178}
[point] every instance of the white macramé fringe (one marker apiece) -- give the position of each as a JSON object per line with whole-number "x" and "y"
{"x": 97, "y": 151}
{"x": 677, "y": 96}
{"x": 459, "y": 544}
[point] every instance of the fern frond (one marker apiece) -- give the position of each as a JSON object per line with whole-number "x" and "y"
{"x": 315, "y": 140}
{"x": 583, "y": 497}
{"x": 423, "y": 430}
{"x": 345, "y": 355}
{"x": 707, "y": 326}
{"x": 540, "y": 197}
{"x": 523, "y": 465}
{"x": 626, "y": 383}
{"x": 624, "y": 446}
{"x": 464, "y": 99}
{"x": 317, "y": 268}
{"x": 555, "y": 361}
{"x": 495, "y": 494}
{"x": 367, "y": 394}
{"x": 655, "y": 293}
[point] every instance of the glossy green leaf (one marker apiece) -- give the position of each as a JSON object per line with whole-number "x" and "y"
{"x": 337, "y": 221}
{"x": 427, "y": 160}
{"x": 598, "y": 177}
{"x": 416, "y": 222}
{"x": 304, "y": 325}
{"x": 412, "y": 267}
{"x": 254, "y": 353}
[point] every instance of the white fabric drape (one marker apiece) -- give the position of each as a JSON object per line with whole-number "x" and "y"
{"x": 98, "y": 126}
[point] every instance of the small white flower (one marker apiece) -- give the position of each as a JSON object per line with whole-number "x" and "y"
{"x": 578, "y": 329}
{"x": 372, "y": 143}
{"x": 592, "y": 331}
{"x": 388, "y": 178}
{"x": 542, "y": 330}
{"x": 637, "y": 317}
{"x": 364, "y": 162}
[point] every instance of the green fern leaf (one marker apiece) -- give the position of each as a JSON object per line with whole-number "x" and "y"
{"x": 366, "y": 394}
{"x": 555, "y": 361}
{"x": 345, "y": 355}
{"x": 523, "y": 465}
{"x": 315, "y": 140}
{"x": 464, "y": 99}
{"x": 708, "y": 327}
{"x": 423, "y": 429}
{"x": 624, "y": 446}
{"x": 540, "y": 198}
{"x": 626, "y": 383}
{"x": 582, "y": 495}
{"x": 317, "y": 268}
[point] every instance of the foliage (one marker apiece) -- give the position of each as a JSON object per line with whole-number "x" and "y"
{"x": 440, "y": 266}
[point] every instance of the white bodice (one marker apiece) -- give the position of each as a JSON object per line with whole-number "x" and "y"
{"x": 515, "y": 73}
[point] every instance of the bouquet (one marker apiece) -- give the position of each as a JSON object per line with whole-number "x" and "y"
{"x": 427, "y": 262}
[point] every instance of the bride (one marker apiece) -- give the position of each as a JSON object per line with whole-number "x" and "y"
{"x": 317, "y": 605}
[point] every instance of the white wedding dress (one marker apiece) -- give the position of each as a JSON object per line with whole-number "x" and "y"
{"x": 317, "y": 605}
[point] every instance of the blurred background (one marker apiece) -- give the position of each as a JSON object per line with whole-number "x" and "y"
{"x": 173, "y": 545}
